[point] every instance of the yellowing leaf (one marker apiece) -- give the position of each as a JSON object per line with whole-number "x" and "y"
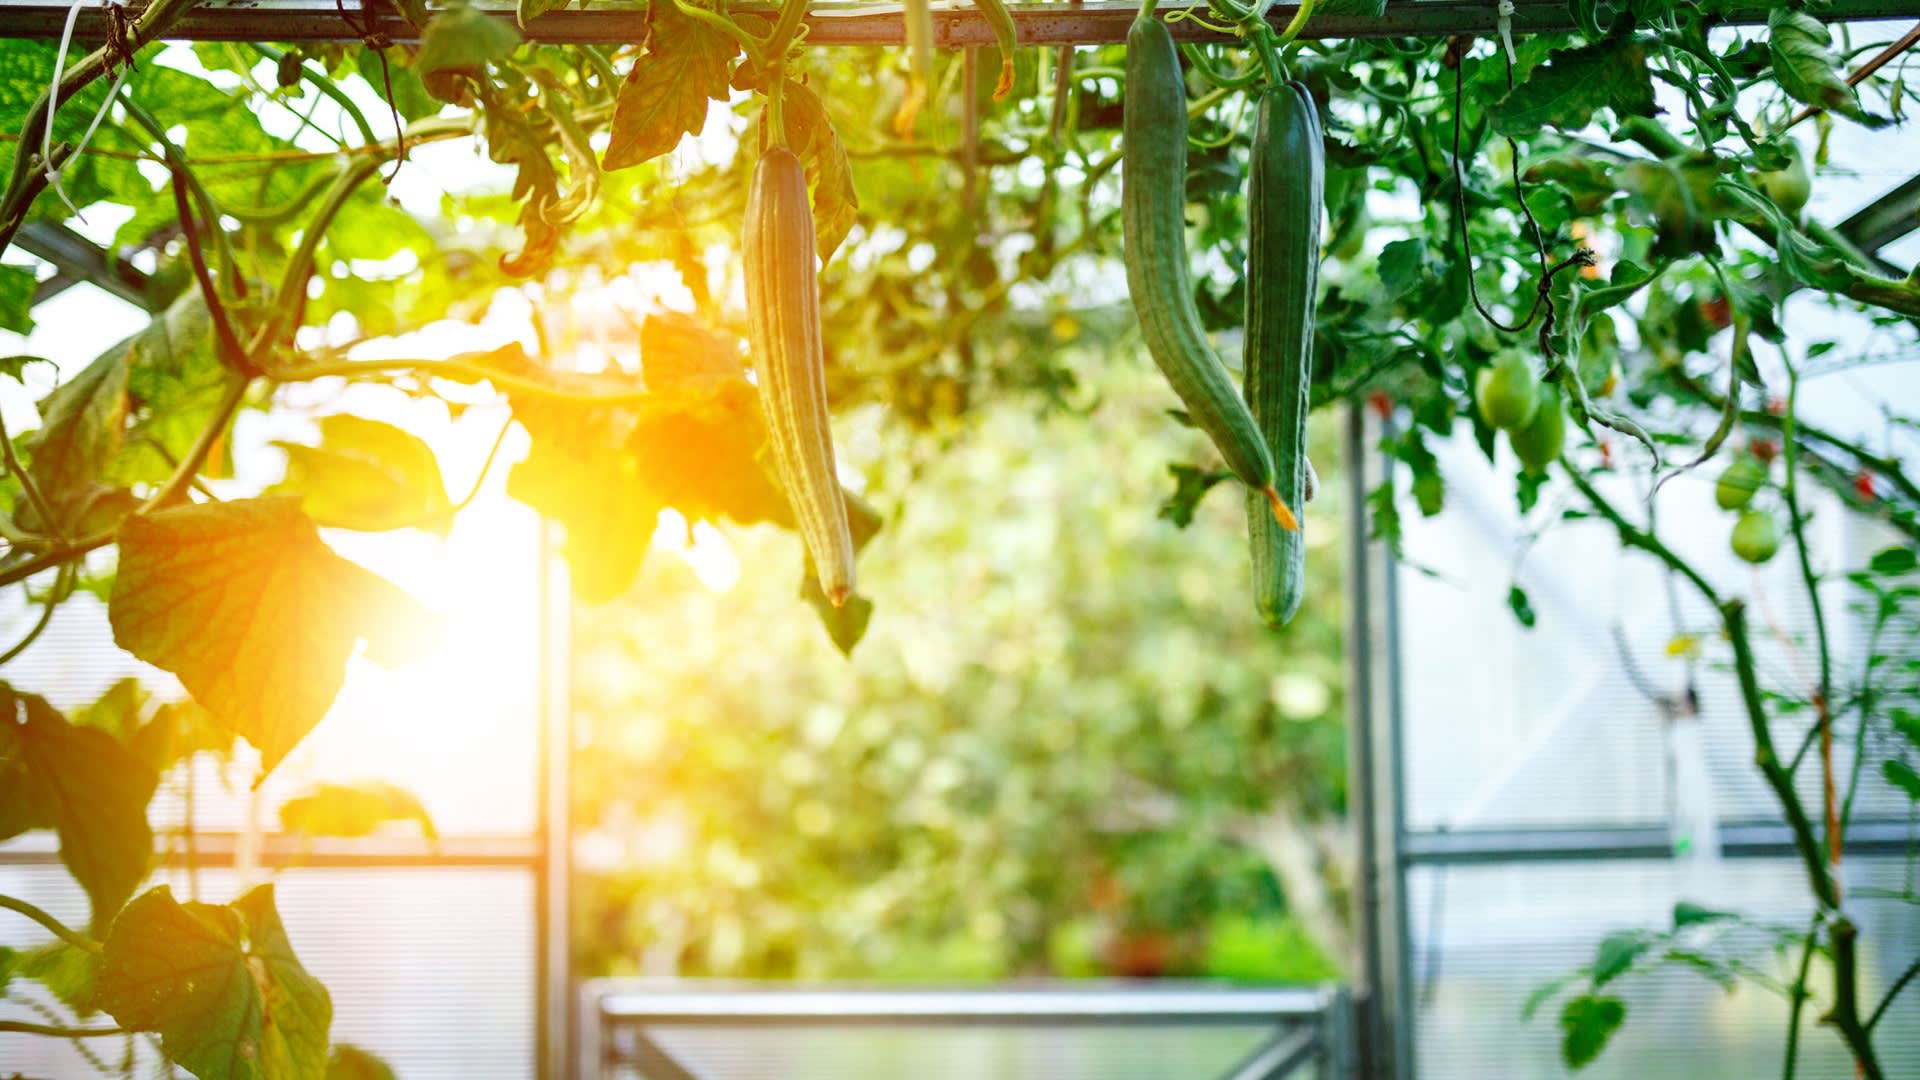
{"x": 253, "y": 612}
{"x": 665, "y": 94}
{"x": 1683, "y": 645}
{"x": 814, "y": 141}
{"x": 86, "y": 786}
{"x": 367, "y": 475}
{"x": 220, "y": 985}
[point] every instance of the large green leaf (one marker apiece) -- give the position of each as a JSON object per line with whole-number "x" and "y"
{"x": 221, "y": 986}
{"x": 82, "y": 783}
{"x": 1573, "y": 84}
{"x": 253, "y": 612}
{"x": 666, "y": 93}
{"x": 367, "y": 475}
{"x": 1798, "y": 45}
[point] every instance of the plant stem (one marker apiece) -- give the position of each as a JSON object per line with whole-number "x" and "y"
{"x": 1893, "y": 991}
{"x": 1846, "y": 1009}
{"x": 56, "y": 1031}
{"x": 326, "y": 86}
{"x": 54, "y": 599}
{"x": 59, "y": 929}
{"x": 34, "y": 498}
{"x": 1797, "y": 1000}
{"x": 1632, "y": 536}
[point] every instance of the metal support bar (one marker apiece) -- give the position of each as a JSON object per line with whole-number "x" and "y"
{"x": 1096, "y": 22}
{"x": 1279, "y": 1056}
{"x": 293, "y": 852}
{"x": 1737, "y": 840}
{"x": 79, "y": 259}
{"x": 1885, "y": 219}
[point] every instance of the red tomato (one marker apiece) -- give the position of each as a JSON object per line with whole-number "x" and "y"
{"x": 1863, "y": 483}
{"x": 1381, "y": 403}
{"x": 1764, "y": 449}
{"x": 1717, "y": 312}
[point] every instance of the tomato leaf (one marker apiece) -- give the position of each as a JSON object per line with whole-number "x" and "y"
{"x": 666, "y": 93}
{"x": 1190, "y": 485}
{"x": 1798, "y": 46}
{"x": 1521, "y": 607}
{"x": 367, "y": 475}
{"x": 1893, "y": 561}
{"x": 1616, "y": 955}
{"x": 220, "y": 985}
{"x": 253, "y": 612}
{"x": 1902, "y": 775}
{"x": 87, "y": 787}
{"x": 1588, "y": 1022}
{"x": 1573, "y": 84}
{"x": 458, "y": 44}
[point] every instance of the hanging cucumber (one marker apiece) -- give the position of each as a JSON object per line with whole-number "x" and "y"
{"x": 783, "y": 325}
{"x": 1000, "y": 20}
{"x": 1153, "y": 186}
{"x": 918, "y": 15}
{"x": 1286, "y": 187}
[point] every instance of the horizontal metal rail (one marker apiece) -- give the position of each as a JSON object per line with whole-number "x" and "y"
{"x": 283, "y": 851}
{"x": 621, "y": 1018}
{"x": 76, "y": 259}
{"x": 670, "y": 1003}
{"x": 1885, "y": 219}
{"x": 1737, "y": 840}
{"x": 1061, "y": 23}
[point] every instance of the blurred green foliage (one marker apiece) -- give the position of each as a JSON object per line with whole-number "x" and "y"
{"x": 1039, "y": 759}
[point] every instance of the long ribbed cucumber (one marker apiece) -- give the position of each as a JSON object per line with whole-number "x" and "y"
{"x": 1285, "y": 189}
{"x": 783, "y": 327}
{"x": 1153, "y": 216}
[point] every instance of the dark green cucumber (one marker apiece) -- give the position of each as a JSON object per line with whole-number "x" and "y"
{"x": 1285, "y": 191}
{"x": 1153, "y": 197}
{"x": 783, "y": 326}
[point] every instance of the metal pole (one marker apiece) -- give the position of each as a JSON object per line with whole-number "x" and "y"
{"x": 1095, "y": 23}
{"x": 554, "y": 1000}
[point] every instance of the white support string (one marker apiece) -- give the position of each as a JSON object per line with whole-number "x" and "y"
{"x": 1504, "y": 12}
{"x": 53, "y": 105}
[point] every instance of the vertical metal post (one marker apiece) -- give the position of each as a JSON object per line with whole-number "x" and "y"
{"x": 554, "y": 999}
{"x": 1375, "y": 782}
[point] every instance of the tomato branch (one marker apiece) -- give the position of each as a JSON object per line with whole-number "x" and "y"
{"x": 1797, "y": 995}
{"x": 59, "y": 929}
{"x": 1823, "y": 691}
{"x": 53, "y": 600}
{"x": 34, "y": 497}
{"x": 231, "y": 350}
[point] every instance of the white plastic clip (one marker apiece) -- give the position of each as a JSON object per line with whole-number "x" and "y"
{"x": 53, "y": 104}
{"x": 1505, "y": 13}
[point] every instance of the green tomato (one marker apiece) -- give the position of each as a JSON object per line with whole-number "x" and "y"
{"x": 1738, "y": 483}
{"x": 1508, "y": 392}
{"x": 1756, "y": 536}
{"x": 1791, "y": 187}
{"x": 1538, "y": 442}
